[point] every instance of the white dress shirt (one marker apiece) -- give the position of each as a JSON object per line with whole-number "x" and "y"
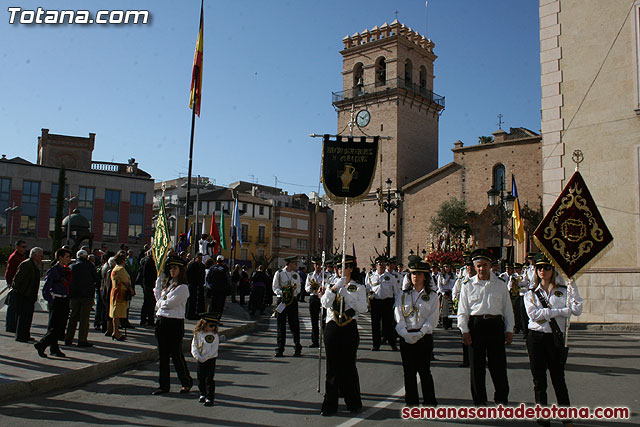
{"x": 481, "y": 297}
{"x": 311, "y": 277}
{"x": 284, "y": 278}
{"x": 446, "y": 282}
{"x": 382, "y": 285}
{"x": 171, "y": 301}
{"x": 355, "y": 299}
{"x": 520, "y": 281}
{"x": 204, "y": 346}
{"x": 539, "y": 317}
{"x": 416, "y": 310}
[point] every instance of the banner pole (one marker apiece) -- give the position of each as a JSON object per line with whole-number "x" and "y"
{"x": 193, "y": 125}
{"x": 344, "y": 248}
{"x": 321, "y": 327}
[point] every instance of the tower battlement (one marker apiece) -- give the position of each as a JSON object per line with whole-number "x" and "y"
{"x": 386, "y": 31}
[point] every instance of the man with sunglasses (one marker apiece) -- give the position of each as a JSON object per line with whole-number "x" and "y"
{"x": 13, "y": 262}
{"x": 485, "y": 318}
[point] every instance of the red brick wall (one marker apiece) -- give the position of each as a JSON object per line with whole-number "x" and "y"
{"x": 123, "y": 223}
{"x": 98, "y": 219}
{"x": 43, "y": 215}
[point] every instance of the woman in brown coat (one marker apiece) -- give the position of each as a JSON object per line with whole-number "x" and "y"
{"x": 120, "y": 287}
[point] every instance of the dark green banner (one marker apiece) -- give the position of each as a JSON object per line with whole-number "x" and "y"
{"x": 348, "y": 166}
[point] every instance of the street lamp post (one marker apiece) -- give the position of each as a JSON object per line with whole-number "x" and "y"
{"x": 389, "y": 206}
{"x": 504, "y": 203}
{"x": 69, "y": 200}
{"x": 10, "y": 214}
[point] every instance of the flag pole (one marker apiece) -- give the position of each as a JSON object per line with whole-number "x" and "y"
{"x": 193, "y": 125}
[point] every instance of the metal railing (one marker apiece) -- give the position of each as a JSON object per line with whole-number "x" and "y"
{"x": 390, "y": 84}
{"x": 119, "y": 168}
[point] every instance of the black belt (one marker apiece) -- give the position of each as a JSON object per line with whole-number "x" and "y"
{"x": 486, "y": 316}
{"x": 540, "y": 333}
{"x": 413, "y": 330}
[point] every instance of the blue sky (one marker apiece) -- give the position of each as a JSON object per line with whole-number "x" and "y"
{"x": 269, "y": 70}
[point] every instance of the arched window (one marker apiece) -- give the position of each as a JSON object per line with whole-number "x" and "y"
{"x": 381, "y": 71}
{"x": 408, "y": 72}
{"x": 423, "y": 77}
{"x": 358, "y": 79}
{"x": 498, "y": 177}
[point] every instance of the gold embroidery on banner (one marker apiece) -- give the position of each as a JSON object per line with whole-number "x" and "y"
{"x": 573, "y": 230}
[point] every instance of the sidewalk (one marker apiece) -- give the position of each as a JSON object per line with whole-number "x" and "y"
{"x": 23, "y": 373}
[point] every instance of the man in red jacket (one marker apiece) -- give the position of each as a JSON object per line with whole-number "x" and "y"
{"x": 12, "y": 267}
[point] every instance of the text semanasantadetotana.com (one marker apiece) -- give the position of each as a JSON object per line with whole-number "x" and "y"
{"x": 521, "y": 412}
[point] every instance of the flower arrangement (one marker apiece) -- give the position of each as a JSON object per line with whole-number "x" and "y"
{"x": 440, "y": 257}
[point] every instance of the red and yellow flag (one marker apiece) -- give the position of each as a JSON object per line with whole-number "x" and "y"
{"x": 196, "y": 75}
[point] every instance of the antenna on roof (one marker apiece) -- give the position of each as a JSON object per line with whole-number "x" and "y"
{"x": 500, "y": 122}
{"x": 426, "y": 18}
{"x": 396, "y": 12}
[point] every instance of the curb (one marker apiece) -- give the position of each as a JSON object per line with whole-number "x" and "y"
{"x": 614, "y": 327}
{"x": 14, "y": 391}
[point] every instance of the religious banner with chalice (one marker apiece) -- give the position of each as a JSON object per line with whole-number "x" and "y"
{"x": 348, "y": 166}
{"x": 573, "y": 231}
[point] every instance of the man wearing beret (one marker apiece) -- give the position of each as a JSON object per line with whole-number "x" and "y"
{"x": 312, "y": 286}
{"x": 485, "y": 318}
{"x": 383, "y": 288}
{"x": 286, "y": 286}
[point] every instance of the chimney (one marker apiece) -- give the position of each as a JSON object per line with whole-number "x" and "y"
{"x": 457, "y": 144}
{"x": 500, "y": 135}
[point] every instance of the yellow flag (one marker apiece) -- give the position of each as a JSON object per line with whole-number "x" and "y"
{"x": 518, "y": 225}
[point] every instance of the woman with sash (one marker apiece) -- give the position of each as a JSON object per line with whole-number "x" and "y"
{"x": 171, "y": 301}
{"x": 548, "y": 308}
{"x": 416, "y": 313}
{"x": 343, "y": 301}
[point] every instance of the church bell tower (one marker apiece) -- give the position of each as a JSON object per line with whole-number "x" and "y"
{"x": 387, "y": 91}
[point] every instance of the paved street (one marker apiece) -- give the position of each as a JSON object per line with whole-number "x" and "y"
{"x": 253, "y": 388}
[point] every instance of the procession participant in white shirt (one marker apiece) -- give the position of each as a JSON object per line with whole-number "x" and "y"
{"x": 446, "y": 280}
{"x": 530, "y": 269}
{"x": 514, "y": 285}
{"x": 383, "y": 290}
{"x": 521, "y": 312}
{"x": 204, "y": 348}
{"x": 416, "y": 313}
{"x": 392, "y": 268}
{"x": 171, "y": 299}
{"x": 312, "y": 286}
{"x": 507, "y": 272}
{"x": 546, "y": 305}
{"x": 485, "y": 318}
{"x": 465, "y": 278}
{"x": 344, "y": 300}
{"x": 286, "y": 286}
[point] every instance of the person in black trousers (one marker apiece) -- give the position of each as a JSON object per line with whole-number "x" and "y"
{"x": 343, "y": 301}
{"x": 218, "y": 286}
{"x": 259, "y": 282}
{"x": 416, "y": 313}
{"x": 147, "y": 279}
{"x": 312, "y": 286}
{"x": 486, "y": 328}
{"x": 286, "y": 285}
{"x": 195, "y": 277}
{"x": 171, "y": 296}
{"x": 548, "y": 308}
{"x": 56, "y": 292}
{"x": 26, "y": 284}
